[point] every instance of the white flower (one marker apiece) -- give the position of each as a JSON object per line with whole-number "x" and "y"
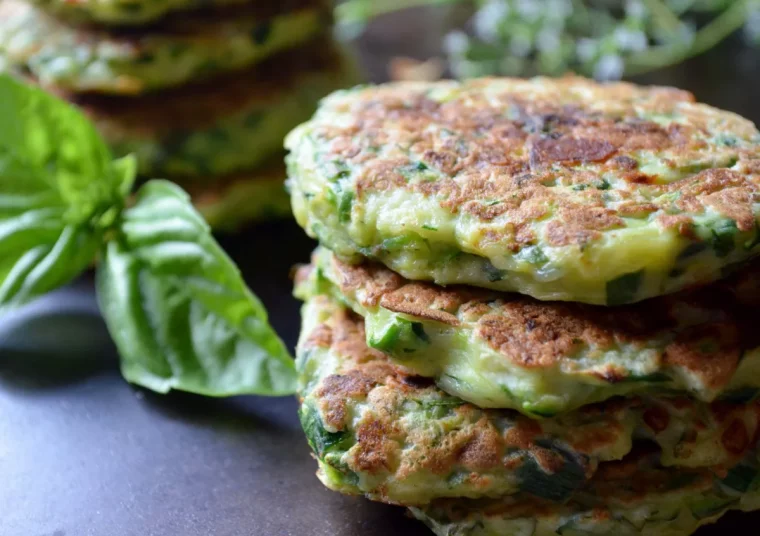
{"x": 586, "y": 49}
{"x": 628, "y": 39}
{"x": 455, "y": 43}
{"x": 609, "y": 67}
{"x": 489, "y": 17}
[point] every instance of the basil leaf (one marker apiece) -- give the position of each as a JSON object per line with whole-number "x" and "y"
{"x": 50, "y": 149}
{"x": 59, "y": 190}
{"x": 178, "y": 309}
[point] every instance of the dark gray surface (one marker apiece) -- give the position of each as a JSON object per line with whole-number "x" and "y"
{"x": 82, "y": 453}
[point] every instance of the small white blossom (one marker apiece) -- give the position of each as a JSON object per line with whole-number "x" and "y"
{"x": 628, "y": 39}
{"x": 530, "y": 10}
{"x": 548, "y": 39}
{"x": 489, "y": 17}
{"x": 456, "y": 43}
{"x": 609, "y": 67}
{"x": 586, "y": 49}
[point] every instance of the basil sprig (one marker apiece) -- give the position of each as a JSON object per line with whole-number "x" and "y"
{"x": 175, "y": 304}
{"x": 58, "y": 187}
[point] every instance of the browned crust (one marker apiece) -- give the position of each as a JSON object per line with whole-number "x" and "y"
{"x": 483, "y": 440}
{"x": 368, "y": 375}
{"x": 619, "y": 483}
{"x": 696, "y": 351}
{"x": 544, "y": 160}
{"x": 707, "y": 342}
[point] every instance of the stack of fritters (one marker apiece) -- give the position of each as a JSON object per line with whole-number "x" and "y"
{"x": 201, "y": 92}
{"x": 532, "y": 311}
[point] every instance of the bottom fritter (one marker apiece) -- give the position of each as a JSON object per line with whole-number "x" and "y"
{"x": 231, "y": 202}
{"x": 383, "y": 432}
{"x": 629, "y": 498}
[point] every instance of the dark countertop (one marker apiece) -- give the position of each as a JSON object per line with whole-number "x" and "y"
{"x": 84, "y": 454}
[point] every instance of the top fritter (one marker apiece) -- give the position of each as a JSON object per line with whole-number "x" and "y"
{"x": 562, "y": 189}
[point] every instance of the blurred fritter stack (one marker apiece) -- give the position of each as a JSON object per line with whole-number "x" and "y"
{"x": 201, "y": 92}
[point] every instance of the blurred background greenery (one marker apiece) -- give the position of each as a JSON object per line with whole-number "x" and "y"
{"x": 606, "y": 39}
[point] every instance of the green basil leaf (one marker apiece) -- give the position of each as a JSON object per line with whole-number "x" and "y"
{"x": 59, "y": 190}
{"x": 178, "y": 309}
{"x": 49, "y": 149}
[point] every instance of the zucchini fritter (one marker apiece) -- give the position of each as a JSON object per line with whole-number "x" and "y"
{"x": 130, "y": 62}
{"x": 561, "y": 189}
{"x": 226, "y": 126}
{"x": 384, "y": 432}
{"x": 543, "y": 358}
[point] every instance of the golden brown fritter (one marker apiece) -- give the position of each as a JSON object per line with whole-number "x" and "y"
{"x": 562, "y": 189}
{"x": 380, "y": 430}
{"x": 131, "y": 61}
{"x": 507, "y": 350}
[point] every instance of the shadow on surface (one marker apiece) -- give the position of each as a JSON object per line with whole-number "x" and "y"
{"x": 242, "y": 415}
{"x": 57, "y": 340}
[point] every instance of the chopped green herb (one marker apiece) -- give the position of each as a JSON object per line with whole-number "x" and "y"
{"x": 560, "y": 484}
{"x": 624, "y": 289}
{"x": 396, "y": 242}
{"x": 345, "y": 205}
{"x": 419, "y": 330}
{"x": 533, "y": 255}
{"x": 339, "y": 471}
{"x": 604, "y": 184}
{"x": 492, "y": 272}
{"x": 339, "y": 170}
{"x": 727, "y": 140}
{"x": 741, "y": 477}
{"x": 654, "y": 377}
{"x": 723, "y": 237}
{"x": 411, "y": 171}
{"x": 438, "y": 409}
{"x": 400, "y": 335}
{"x": 320, "y": 440}
{"x": 695, "y": 167}
{"x": 457, "y": 478}
{"x": 538, "y": 411}
{"x": 429, "y": 227}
